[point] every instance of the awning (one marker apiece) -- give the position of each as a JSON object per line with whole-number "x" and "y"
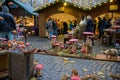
{"x": 28, "y": 8}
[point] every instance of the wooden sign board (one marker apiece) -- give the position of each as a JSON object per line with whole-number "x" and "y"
{"x": 61, "y": 9}
{"x": 113, "y": 7}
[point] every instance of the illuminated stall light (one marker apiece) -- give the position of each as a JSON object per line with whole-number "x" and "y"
{"x": 90, "y": 8}
{"x": 65, "y": 4}
{"x": 111, "y": 0}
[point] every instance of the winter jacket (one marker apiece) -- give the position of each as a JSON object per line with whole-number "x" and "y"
{"x": 89, "y": 27}
{"x": 7, "y": 24}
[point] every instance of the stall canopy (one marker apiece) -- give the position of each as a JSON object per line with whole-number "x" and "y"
{"x": 26, "y": 7}
{"x": 84, "y": 4}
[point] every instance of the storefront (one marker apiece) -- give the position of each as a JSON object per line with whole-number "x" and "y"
{"x": 74, "y": 10}
{"x": 24, "y": 15}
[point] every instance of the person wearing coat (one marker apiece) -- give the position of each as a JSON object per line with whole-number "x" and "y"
{"x": 89, "y": 27}
{"x": 49, "y": 27}
{"x": 7, "y": 23}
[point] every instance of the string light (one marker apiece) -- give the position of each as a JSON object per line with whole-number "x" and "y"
{"x": 100, "y": 4}
{"x": 65, "y": 4}
{"x": 105, "y": 2}
{"x": 94, "y": 6}
{"x": 84, "y": 8}
{"x": 45, "y": 6}
{"x": 75, "y": 5}
{"x": 90, "y": 8}
{"x": 111, "y": 0}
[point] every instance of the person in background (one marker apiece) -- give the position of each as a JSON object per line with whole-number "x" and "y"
{"x": 54, "y": 25}
{"x": 70, "y": 25}
{"x": 7, "y": 23}
{"x": 65, "y": 28}
{"x": 89, "y": 27}
{"x": 75, "y": 75}
{"x": 101, "y": 26}
{"x": 118, "y": 21}
{"x": 58, "y": 27}
{"x": 82, "y": 26}
{"x": 94, "y": 25}
{"x": 108, "y": 23}
{"x": 74, "y": 23}
{"x": 49, "y": 27}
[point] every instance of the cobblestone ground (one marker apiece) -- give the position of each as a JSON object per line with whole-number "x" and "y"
{"x": 55, "y": 66}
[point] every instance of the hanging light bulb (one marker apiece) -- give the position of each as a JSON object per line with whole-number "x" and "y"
{"x": 100, "y": 4}
{"x": 65, "y": 3}
{"x": 84, "y": 8}
{"x": 57, "y": 0}
{"x": 95, "y": 6}
{"x": 111, "y": 0}
{"x": 75, "y": 5}
{"x": 105, "y": 2}
{"x": 90, "y": 8}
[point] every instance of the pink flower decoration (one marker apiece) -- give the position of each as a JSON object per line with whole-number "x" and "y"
{"x": 39, "y": 66}
{"x": 88, "y": 33}
{"x": 27, "y": 44}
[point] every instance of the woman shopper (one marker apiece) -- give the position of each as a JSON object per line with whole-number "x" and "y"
{"x": 7, "y": 23}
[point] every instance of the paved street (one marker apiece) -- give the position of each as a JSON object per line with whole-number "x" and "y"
{"x": 55, "y": 66}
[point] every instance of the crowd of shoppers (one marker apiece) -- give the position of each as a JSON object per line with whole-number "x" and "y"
{"x": 57, "y": 27}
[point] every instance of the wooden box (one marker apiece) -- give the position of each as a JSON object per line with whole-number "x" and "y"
{"x": 3, "y": 64}
{"x": 20, "y": 66}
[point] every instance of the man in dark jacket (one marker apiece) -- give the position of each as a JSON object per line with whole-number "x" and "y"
{"x": 89, "y": 27}
{"x": 7, "y": 23}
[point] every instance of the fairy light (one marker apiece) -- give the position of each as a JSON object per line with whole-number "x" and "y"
{"x": 94, "y": 6}
{"x": 75, "y": 5}
{"x": 65, "y": 4}
{"x": 90, "y": 8}
{"x": 111, "y": 0}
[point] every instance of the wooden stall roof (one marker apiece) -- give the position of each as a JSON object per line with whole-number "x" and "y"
{"x": 28, "y": 8}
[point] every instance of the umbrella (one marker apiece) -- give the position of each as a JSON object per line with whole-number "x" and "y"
{"x": 39, "y": 66}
